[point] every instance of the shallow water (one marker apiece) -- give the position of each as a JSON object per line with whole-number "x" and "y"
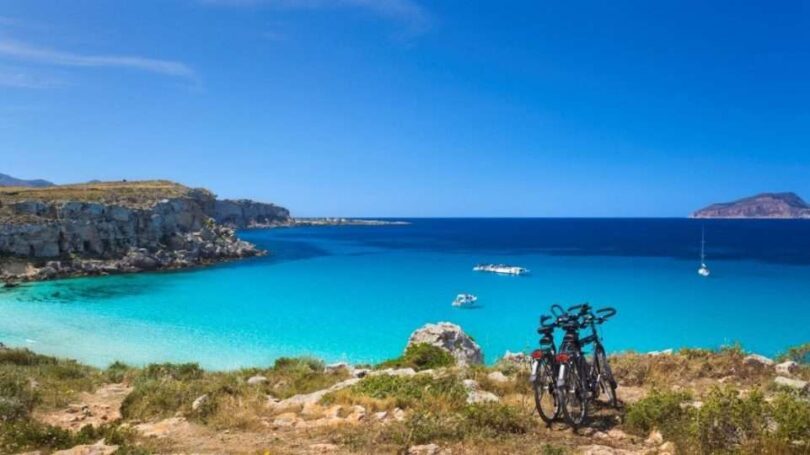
{"x": 356, "y": 293}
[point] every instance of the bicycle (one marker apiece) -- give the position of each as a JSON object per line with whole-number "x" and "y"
{"x": 544, "y": 372}
{"x": 578, "y": 381}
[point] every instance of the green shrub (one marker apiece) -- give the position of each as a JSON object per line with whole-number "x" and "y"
{"x": 664, "y": 411}
{"x": 17, "y": 400}
{"x": 118, "y": 372}
{"x": 792, "y": 417}
{"x": 24, "y": 357}
{"x": 799, "y": 354}
{"x": 175, "y": 371}
{"x": 298, "y": 365}
{"x": 30, "y": 435}
{"x": 420, "y": 357}
{"x": 728, "y": 420}
{"x": 495, "y": 419}
{"x": 404, "y": 392}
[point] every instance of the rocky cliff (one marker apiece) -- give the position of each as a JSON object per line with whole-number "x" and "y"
{"x": 765, "y": 205}
{"x": 244, "y": 213}
{"x": 119, "y": 227}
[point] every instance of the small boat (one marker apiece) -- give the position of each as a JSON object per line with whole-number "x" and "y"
{"x": 501, "y": 269}
{"x": 703, "y": 270}
{"x": 464, "y": 300}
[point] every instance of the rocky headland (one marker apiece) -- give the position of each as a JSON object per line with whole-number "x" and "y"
{"x": 765, "y": 205}
{"x": 118, "y": 227}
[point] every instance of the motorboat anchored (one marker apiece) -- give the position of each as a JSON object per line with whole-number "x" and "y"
{"x": 464, "y": 300}
{"x": 502, "y": 269}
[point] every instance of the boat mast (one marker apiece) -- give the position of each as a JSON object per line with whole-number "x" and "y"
{"x": 703, "y": 246}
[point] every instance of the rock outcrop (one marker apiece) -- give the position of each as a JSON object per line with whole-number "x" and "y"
{"x": 765, "y": 205}
{"x": 452, "y": 339}
{"x": 244, "y": 213}
{"x": 116, "y": 227}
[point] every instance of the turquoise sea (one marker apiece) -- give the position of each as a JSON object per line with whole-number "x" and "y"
{"x": 355, "y": 293}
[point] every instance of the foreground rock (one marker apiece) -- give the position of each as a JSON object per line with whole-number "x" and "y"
{"x": 452, "y": 339}
{"x": 106, "y": 228}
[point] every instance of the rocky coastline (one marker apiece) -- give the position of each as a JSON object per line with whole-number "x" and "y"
{"x": 121, "y": 227}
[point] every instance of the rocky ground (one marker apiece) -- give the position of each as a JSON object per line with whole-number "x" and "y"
{"x": 436, "y": 399}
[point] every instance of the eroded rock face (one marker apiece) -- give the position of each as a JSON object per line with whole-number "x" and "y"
{"x": 87, "y": 238}
{"x": 452, "y": 339}
{"x": 244, "y": 213}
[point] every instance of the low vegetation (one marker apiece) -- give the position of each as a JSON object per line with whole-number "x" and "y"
{"x": 421, "y": 357}
{"x": 701, "y": 401}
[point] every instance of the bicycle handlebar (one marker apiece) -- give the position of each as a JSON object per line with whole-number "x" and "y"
{"x": 543, "y": 320}
{"x": 606, "y": 313}
{"x": 557, "y": 310}
{"x": 582, "y": 308}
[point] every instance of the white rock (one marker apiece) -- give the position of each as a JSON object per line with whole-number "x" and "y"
{"x": 655, "y": 438}
{"x": 757, "y": 360}
{"x": 787, "y": 368}
{"x": 452, "y": 339}
{"x": 497, "y": 376}
{"x": 426, "y": 449}
{"x": 99, "y": 448}
{"x": 796, "y": 384}
{"x": 256, "y": 380}
{"x": 199, "y": 402}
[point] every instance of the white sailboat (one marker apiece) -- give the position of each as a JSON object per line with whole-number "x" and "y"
{"x": 704, "y": 269}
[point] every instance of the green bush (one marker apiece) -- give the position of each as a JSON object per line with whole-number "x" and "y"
{"x": 728, "y": 420}
{"x": 175, "y": 371}
{"x": 31, "y": 435}
{"x": 792, "y": 417}
{"x": 298, "y": 365}
{"x": 495, "y": 419}
{"x": 664, "y": 411}
{"x": 404, "y": 392}
{"x": 799, "y": 354}
{"x": 17, "y": 400}
{"x": 420, "y": 357}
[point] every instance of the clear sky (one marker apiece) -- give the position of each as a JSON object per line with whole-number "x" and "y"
{"x": 412, "y": 107}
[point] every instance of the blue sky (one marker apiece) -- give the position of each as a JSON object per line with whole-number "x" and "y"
{"x": 415, "y": 108}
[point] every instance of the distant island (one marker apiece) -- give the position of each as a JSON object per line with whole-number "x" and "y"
{"x": 7, "y": 180}
{"x": 764, "y": 205}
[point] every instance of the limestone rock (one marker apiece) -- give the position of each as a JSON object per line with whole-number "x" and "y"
{"x": 99, "y": 448}
{"x": 787, "y": 368}
{"x": 452, "y": 339}
{"x": 476, "y": 395}
{"x": 795, "y": 384}
{"x": 256, "y": 380}
{"x": 756, "y": 360}
{"x": 497, "y": 376}
{"x": 201, "y": 401}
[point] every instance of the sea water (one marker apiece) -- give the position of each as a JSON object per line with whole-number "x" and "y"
{"x": 355, "y": 293}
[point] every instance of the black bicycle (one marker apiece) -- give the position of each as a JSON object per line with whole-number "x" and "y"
{"x": 544, "y": 370}
{"x": 580, "y": 381}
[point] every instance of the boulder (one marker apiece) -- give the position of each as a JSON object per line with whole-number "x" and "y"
{"x": 199, "y": 402}
{"x": 452, "y": 339}
{"x": 476, "y": 395}
{"x": 758, "y": 361}
{"x": 497, "y": 376}
{"x": 795, "y": 384}
{"x": 787, "y": 368}
{"x": 256, "y": 380}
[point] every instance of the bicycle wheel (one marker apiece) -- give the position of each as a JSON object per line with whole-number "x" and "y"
{"x": 606, "y": 381}
{"x": 545, "y": 396}
{"x": 575, "y": 397}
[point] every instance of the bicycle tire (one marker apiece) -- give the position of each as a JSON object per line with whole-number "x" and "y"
{"x": 607, "y": 382}
{"x": 574, "y": 403}
{"x": 545, "y": 388}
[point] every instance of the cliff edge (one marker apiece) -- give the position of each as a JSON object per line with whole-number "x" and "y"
{"x": 115, "y": 227}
